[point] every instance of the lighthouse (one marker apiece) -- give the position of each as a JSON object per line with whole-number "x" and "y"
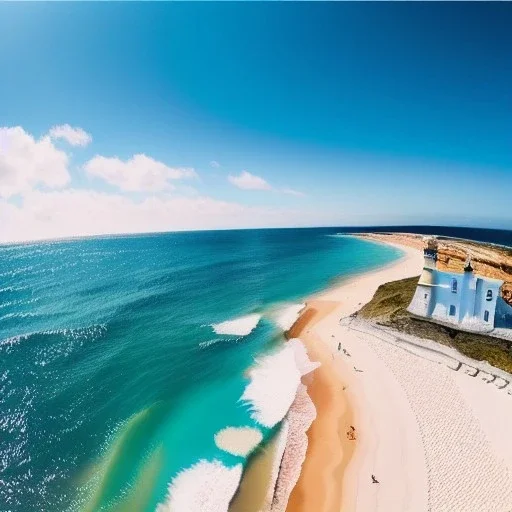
{"x": 423, "y": 301}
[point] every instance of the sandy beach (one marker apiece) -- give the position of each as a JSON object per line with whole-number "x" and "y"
{"x": 433, "y": 433}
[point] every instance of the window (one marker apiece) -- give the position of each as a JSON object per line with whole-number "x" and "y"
{"x": 488, "y": 296}
{"x": 453, "y": 310}
{"x": 454, "y": 285}
{"x": 486, "y": 316}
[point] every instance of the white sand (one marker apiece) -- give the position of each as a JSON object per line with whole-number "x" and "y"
{"x": 435, "y": 438}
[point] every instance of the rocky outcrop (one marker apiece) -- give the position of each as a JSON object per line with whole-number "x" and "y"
{"x": 486, "y": 260}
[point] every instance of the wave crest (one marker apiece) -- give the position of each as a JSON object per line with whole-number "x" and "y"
{"x": 287, "y": 316}
{"x": 241, "y": 326}
{"x": 274, "y": 382}
{"x": 204, "y": 487}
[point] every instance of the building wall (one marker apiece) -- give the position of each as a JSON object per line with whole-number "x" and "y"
{"x": 489, "y": 305}
{"x": 445, "y": 299}
{"x": 464, "y": 304}
{"x": 503, "y": 316}
{"x": 421, "y": 301}
{"x": 479, "y": 307}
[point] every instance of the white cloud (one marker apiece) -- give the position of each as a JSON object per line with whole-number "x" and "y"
{"x": 292, "y": 192}
{"x": 73, "y": 212}
{"x": 215, "y": 164}
{"x": 26, "y": 162}
{"x": 74, "y": 136}
{"x": 139, "y": 173}
{"x": 248, "y": 181}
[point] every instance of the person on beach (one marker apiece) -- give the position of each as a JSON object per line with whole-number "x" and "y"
{"x": 339, "y": 347}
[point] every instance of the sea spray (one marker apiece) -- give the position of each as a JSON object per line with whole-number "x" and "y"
{"x": 241, "y": 326}
{"x": 274, "y": 381}
{"x": 204, "y": 487}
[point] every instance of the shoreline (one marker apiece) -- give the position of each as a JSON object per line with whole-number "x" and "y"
{"x": 323, "y": 467}
{"x": 322, "y": 483}
{"x": 425, "y": 429}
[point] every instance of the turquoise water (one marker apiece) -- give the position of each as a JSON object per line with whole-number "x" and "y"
{"x": 112, "y": 379}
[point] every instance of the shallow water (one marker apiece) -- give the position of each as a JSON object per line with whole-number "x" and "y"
{"x": 112, "y": 378}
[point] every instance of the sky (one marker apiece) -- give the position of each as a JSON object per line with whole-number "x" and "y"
{"x": 139, "y": 117}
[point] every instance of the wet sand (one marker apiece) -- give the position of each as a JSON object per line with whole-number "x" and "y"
{"x": 331, "y": 456}
{"x": 331, "y": 437}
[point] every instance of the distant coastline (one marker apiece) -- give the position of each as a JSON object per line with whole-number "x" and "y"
{"x": 326, "y": 432}
{"x": 343, "y": 478}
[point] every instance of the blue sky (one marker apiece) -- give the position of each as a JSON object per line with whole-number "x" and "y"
{"x": 372, "y": 112}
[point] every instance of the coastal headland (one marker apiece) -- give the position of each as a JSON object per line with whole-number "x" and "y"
{"x": 402, "y": 423}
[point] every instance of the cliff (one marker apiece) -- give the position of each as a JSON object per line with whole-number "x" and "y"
{"x": 487, "y": 260}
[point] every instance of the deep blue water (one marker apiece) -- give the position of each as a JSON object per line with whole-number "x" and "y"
{"x": 112, "y": 378}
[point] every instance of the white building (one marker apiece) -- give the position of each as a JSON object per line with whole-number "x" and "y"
{"x": 466, "y": 301}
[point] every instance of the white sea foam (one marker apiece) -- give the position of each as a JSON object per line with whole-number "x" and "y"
{"x": 209, "y": 486}
{"x": 207, "y": 343}
{"x": 13, "y": 288}
{"x": 304, "y": 364}
{"x": 288, "y": 316}
{"x": 238, "y": 440}
{"x": 241, "y": 326}
{"x": 298, "y": 420}
{"x": 280, "y": 447}
{"x": 204, "y": 487}
{"x": 274, "y": 382}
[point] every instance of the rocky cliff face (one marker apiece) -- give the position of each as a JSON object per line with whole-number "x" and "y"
{"x": 486, "y": 260}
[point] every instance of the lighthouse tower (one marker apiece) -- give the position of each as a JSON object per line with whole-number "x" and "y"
{"x": 468, "y": 293}
{"x": 423, "y": 301}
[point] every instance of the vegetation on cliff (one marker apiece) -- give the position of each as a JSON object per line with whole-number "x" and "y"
{"x": 388, "y": 307}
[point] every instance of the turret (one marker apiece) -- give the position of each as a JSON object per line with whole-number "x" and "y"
{"x": 430, "y": 252}
{"x": 467, "y": 292}
{"x": 423, "y": 300}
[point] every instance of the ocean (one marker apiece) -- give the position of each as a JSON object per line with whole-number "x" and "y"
{"x": 121, "y": 358}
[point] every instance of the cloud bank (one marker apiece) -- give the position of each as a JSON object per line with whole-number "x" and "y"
{"x": 71, "y": 212}
{"x": 26, "y": 162}
{"x": 40, "y": 199}
{"x": 73, "y": 136}
{"x": 139, "y": 173}
{"x": 293, "y": 192}
{"x": 247, "y": 181}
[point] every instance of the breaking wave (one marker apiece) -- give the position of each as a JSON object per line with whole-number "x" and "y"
{"x": 241, "y": 326}
{"x": 287, "y": 316}
{"x": 204, "y": 487}
{"x": 274, "y": 382}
